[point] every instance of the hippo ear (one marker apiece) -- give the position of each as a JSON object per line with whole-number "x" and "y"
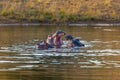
{"x": 64, "y": 33}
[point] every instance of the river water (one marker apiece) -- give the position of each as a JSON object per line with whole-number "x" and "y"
{"x": 98, "y": 60}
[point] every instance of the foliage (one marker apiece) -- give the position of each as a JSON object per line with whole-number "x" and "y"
{"x": 60, "y": 10}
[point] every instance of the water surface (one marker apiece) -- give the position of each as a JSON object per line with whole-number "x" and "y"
{"x": 98, "y": 60}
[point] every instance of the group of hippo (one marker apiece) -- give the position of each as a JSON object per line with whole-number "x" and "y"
{"x": 55, "y": 41}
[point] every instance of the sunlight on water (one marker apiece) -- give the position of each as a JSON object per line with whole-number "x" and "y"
{"x": 99, "y": 56}
{"x": 31, "y": 55}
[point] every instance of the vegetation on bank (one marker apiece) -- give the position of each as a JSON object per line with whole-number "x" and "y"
{"x": 59, "y": 10}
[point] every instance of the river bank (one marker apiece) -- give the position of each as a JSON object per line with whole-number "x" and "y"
{"x": 14, "y": 22}
{"x": 86, "y": 24}
{"x": 57, "y": 12}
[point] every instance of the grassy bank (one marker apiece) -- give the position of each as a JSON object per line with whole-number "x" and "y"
{"x": 55, "y": 11}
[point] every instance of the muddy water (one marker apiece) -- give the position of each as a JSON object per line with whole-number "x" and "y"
{"x": 98, "y": 60}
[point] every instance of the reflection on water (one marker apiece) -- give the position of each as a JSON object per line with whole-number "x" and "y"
{"x": 98, "y": 60}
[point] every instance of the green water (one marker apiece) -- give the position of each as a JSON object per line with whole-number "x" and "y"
{"x": 99, "y": 61}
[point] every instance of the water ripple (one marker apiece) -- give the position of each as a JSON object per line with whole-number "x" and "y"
{"x": 25, "y": 56}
